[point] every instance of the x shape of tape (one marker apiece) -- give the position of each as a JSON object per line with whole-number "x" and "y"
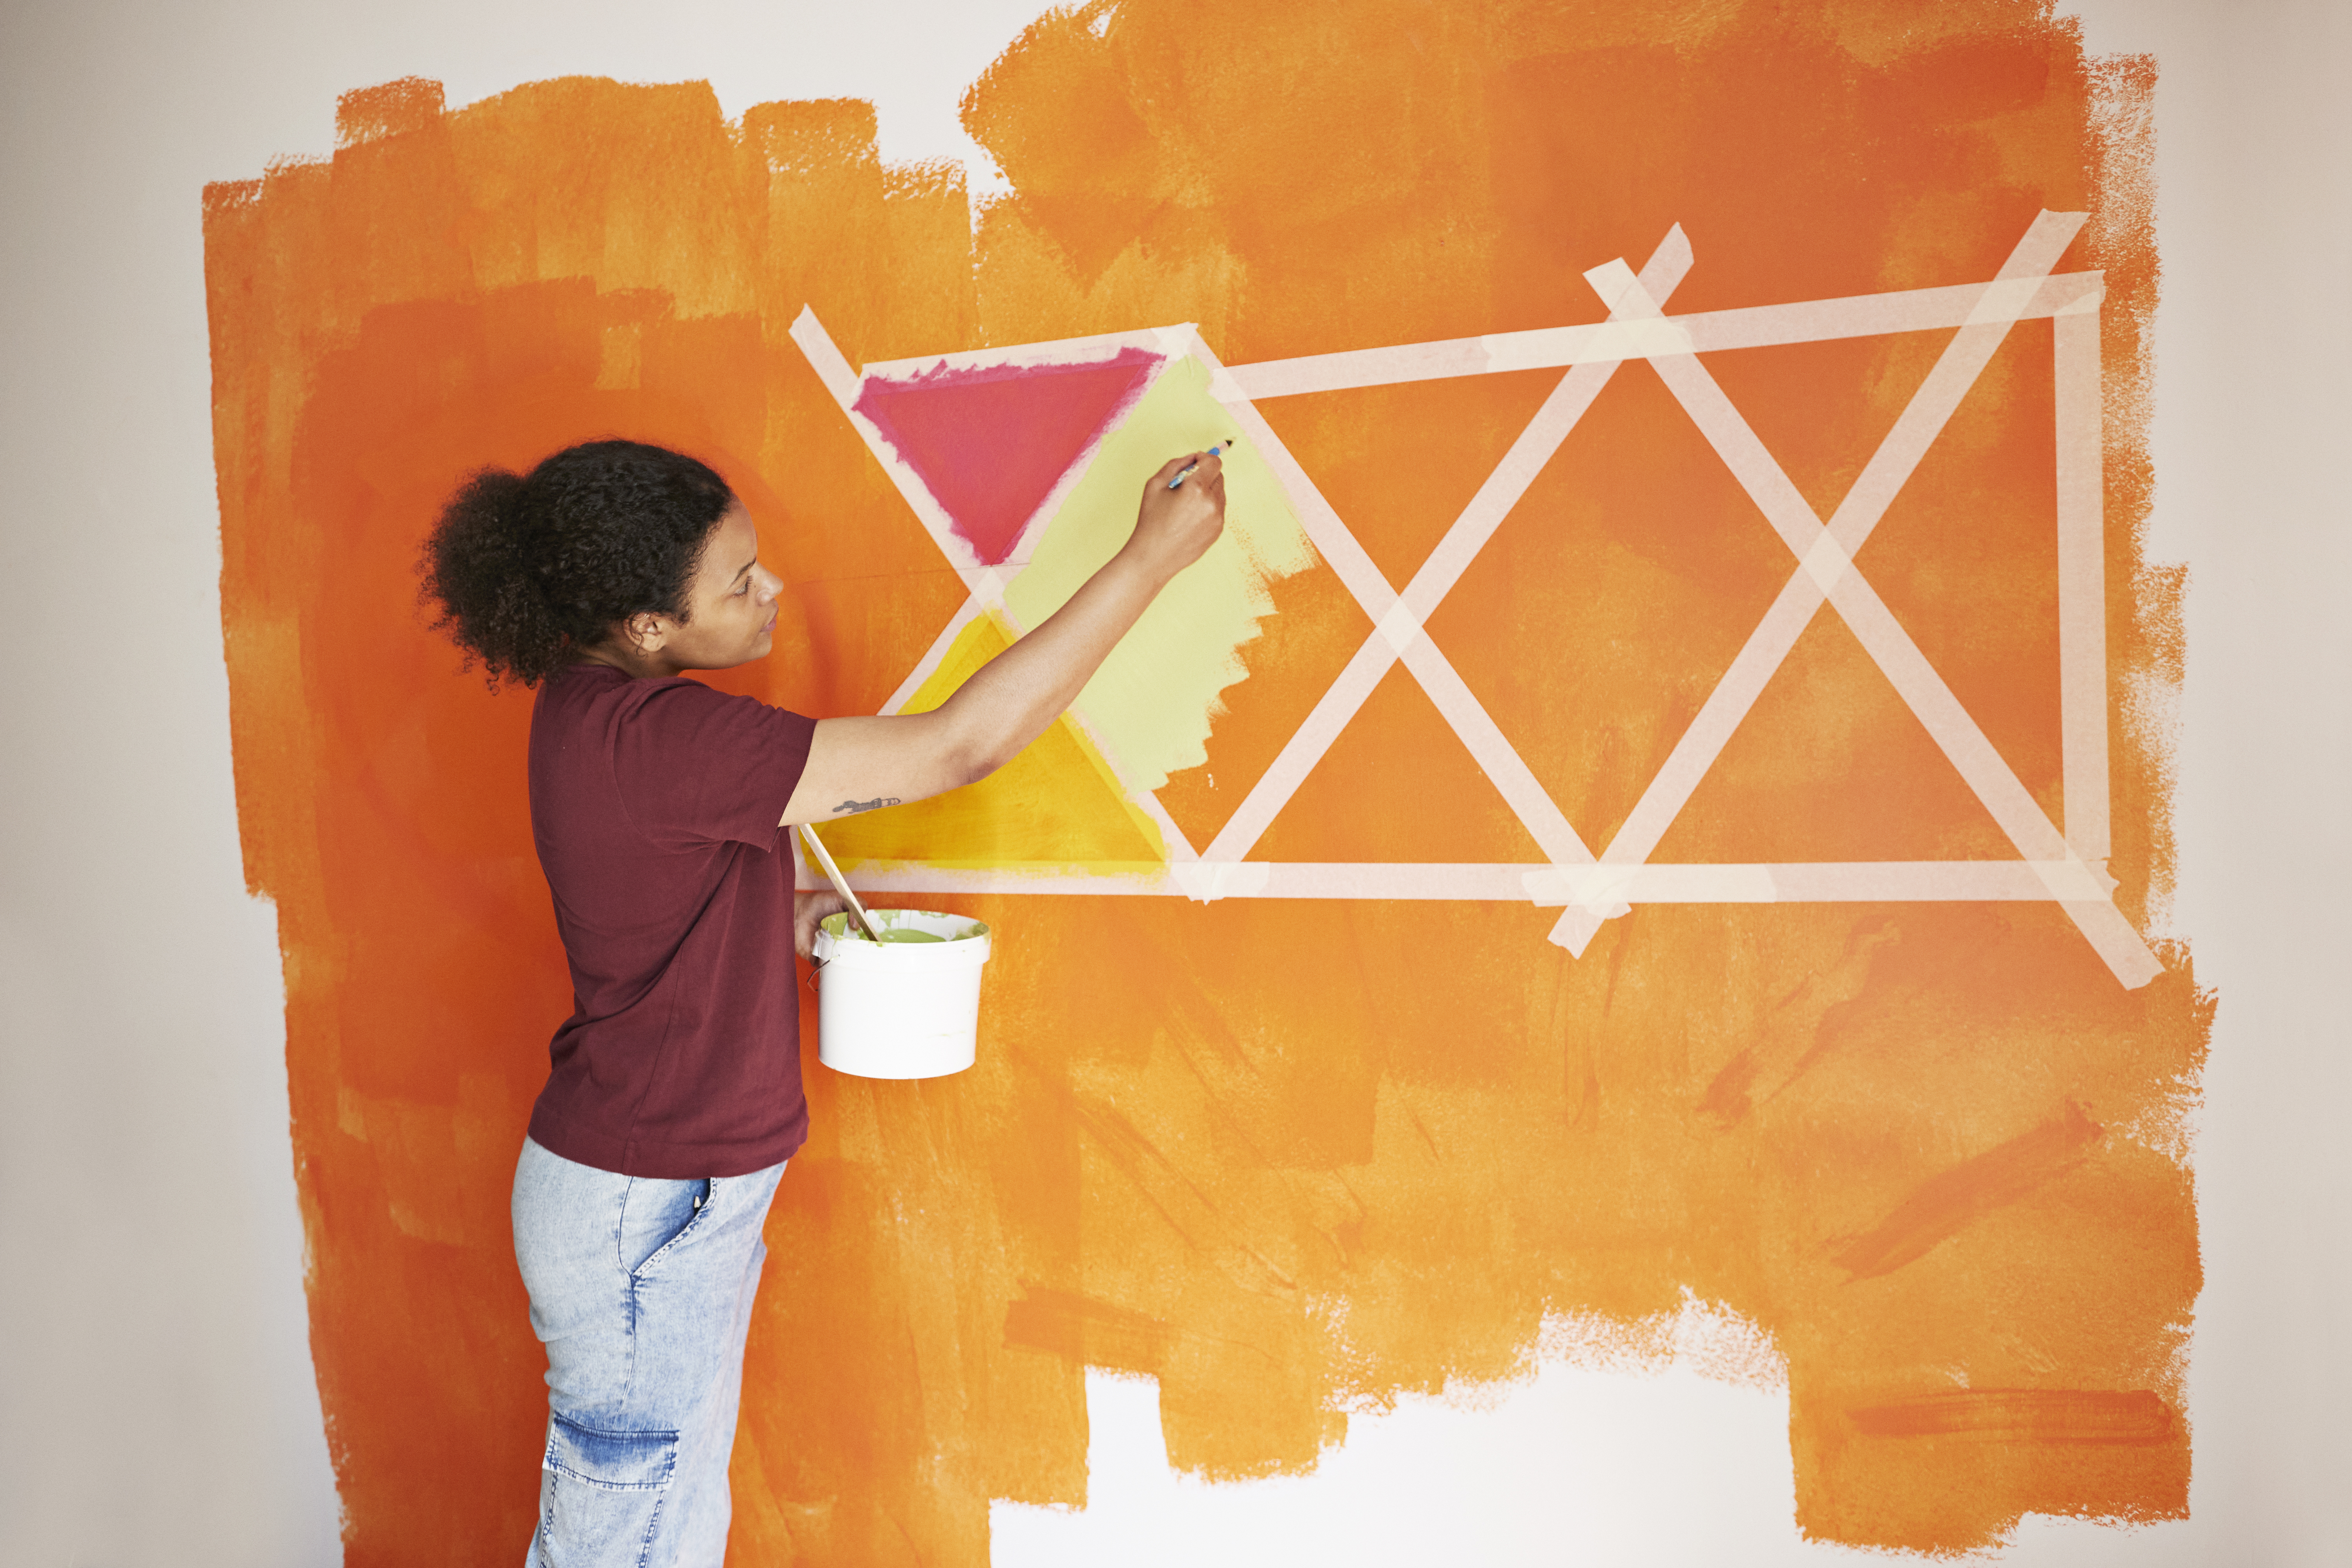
{"x": 2067, "y": 868}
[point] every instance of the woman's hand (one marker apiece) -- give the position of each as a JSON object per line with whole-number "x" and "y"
{"x": 1174, "y": 528}
{"x": 808, "y": 908}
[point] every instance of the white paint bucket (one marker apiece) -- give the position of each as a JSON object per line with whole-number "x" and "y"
{"x": 897, "y": 1010}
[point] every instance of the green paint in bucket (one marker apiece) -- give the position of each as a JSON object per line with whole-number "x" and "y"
{"x": 907, "y": 1007}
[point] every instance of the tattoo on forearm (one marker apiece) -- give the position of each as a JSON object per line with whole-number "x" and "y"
{"x": 865, "y": 804}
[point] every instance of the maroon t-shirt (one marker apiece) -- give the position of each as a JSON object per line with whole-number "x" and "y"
{"x": 655, "y": 805}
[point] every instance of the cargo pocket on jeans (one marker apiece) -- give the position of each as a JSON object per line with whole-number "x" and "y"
{"x": 611, "y": 1462}
{"x": 602, "y": 1496}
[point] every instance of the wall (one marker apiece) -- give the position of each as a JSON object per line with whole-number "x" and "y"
{"x": 150, "y": 1110}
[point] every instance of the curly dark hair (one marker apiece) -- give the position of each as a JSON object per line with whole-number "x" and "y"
{"x": 527, "y": 569}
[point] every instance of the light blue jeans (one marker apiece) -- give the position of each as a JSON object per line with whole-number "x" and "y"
{"x": 641, "y": 1290}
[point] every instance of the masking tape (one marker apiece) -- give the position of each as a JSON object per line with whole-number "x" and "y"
{"x": 1638, "y": 329}
{"x": 1826, "y": 561}
{"x": 2007, "y": 298}
{"x": 1597, "y": 887}
{"x": 1204, "y": 881}
{"x": 2081, "y": 586}
{"x": 2112, "y": 938}
{"x": 1861, "y": 881}
{"x": 1577, "y": 926}
{"x": 1707, "y": 331}
{"x": 1399, "y": 628}
{"x": 1180, "y": 848}
{"x": 1604, "y": 341}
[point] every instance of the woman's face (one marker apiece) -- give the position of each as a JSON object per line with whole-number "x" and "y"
{"x": 731, "y": 604}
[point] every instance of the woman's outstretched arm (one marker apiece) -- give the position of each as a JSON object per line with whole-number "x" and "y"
{"x": 856, "y": 764}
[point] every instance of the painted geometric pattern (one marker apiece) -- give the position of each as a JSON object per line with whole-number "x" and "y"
{"x": 1139, "y": 849}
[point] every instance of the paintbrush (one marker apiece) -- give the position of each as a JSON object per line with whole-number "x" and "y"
{"x": 840, "y": 884}
{"x": 1185, "y": 472}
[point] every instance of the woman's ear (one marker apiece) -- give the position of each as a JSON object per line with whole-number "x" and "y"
{"x": 646, "y": 632}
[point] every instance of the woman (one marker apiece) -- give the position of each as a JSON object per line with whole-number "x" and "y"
{"x": 659, "y": 807}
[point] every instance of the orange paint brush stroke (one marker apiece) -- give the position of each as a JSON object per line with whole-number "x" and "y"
{"x": 2136, "y": 1418}
{"x": 1945, "y": 1203}
{"x": 1086, "y": 1331}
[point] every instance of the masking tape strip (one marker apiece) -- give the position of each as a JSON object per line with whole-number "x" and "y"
{"x": 1180, "y": 848}
{"x": 2082, "y": 586}
{"x": 1861, "y": 881}
{"x": 1519, "y": 882}
{"x": 1205, "y": 881}
{"x": 1706, "y": 331}
{"x": 816, "y": 345}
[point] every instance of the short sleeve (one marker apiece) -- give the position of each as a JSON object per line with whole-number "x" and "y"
{"x": 696, "y": 766}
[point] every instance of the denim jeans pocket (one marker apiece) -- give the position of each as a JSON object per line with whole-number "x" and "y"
{"x": 655, "y": 1216}
{"x": 602, "y": 1497}
{"x": 703, "y": 1205}
{"x": 611, "y": 1462}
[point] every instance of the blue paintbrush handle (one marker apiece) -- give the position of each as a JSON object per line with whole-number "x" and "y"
{"x": 1184, "y": 472}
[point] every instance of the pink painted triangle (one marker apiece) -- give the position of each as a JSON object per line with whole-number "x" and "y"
{"x": 991, "y": 441}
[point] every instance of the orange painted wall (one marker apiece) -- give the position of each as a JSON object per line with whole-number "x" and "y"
{"x": 1286, "y": 1157}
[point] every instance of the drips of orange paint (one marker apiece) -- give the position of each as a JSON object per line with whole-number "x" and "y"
{"x": 1280, "y": 1162}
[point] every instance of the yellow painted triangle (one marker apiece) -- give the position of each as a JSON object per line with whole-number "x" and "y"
{"x": 1058, "y": 806}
